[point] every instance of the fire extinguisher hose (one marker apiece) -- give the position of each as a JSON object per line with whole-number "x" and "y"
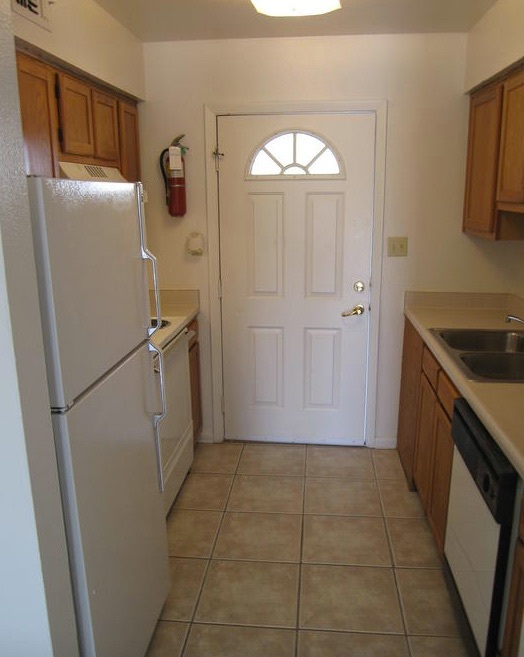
{"x": 163, "y": 170}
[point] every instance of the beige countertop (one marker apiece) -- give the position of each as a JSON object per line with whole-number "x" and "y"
{"x": 500, "y": 406}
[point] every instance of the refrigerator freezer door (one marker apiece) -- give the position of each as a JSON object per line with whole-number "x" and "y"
{"x": 92, "y": 279}
{"x": 114, "y": 511}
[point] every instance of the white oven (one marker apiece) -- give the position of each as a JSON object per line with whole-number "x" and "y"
{"x": 176, "y": 427}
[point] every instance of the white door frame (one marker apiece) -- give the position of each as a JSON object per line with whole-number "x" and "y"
{"x": 211, "y": 114}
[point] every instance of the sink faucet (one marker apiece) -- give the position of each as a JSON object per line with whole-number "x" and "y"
{"x": 515, "y": 318}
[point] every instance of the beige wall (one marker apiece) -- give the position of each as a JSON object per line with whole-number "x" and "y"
{"x": 495, "y": 42}
{"x": 86, "y": 36}
{"x": 421, "y": 76}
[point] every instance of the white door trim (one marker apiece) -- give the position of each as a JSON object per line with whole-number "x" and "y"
{"x": 211, "y": 113}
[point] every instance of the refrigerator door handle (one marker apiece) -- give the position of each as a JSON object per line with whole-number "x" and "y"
{"x": 158, "y": 417}
{"x": 147, "y": 255}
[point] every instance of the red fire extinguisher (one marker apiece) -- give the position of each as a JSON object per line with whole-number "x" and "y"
{"x": 172, "y": 166}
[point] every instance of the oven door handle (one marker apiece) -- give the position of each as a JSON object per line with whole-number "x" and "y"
{"x": 184, "y": 333}
{"x": 158, "y": 417}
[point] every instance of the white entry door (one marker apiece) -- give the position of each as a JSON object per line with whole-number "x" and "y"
{"x": 295, "y": 253}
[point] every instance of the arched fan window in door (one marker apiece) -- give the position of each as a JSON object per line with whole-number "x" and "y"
{"x": 295, "y": 154}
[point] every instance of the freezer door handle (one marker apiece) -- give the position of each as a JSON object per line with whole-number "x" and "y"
{"x": 158, "y": 417}
{"x": 147, "y": 255}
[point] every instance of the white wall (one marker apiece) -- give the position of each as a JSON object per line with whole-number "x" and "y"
{"x": 86, "y": 36}
{"x": 36, "y": 612}
{"x": 422, "y": 78}
{"x": 495, "y": 42}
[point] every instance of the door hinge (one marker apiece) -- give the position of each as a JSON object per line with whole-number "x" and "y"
{"x": 57, "y": 88}
{"x": 60, "y": 135}
{"x": 223, "y": 404}
{"x": 217, "y": 155}
{"x": 220, "y": 289}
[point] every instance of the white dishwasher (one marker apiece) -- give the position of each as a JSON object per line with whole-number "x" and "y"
{"x": 478, "y": 532}
{"x": 176, "y": 427}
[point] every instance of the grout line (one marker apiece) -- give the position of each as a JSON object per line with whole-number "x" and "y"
{"x": 208, "y": 565}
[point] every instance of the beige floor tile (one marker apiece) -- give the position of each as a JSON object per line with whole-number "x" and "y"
{"x": 192, "y": 533}
{"x": 205, "y": 492}
{"x": 221, "y": 458}
{"x": 349, "y": 598}
{"x": 273, "y": 460}
{"x": 342, "y": 497}
{"x": 350, "y": 644}
{"x": 266, "y": 494}
{"x": 413, "y": 543}
{"x": 345, "y": 540}
{"x": 249, "y": 593}
{"x": 387, "y": 464}
{"x": 399, "y": 501}
{"x": 424, "y": 646}
{"x": 259, "y": 537}
{"x": 187, "y": 576}
{"x": 168, "y": 639}
{"x": 234, "y": 641}
{"x": 426, "y": 603}
{"x": 352, "y": 462}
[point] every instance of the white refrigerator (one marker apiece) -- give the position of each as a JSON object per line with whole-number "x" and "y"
{"x": 92, "y": 268}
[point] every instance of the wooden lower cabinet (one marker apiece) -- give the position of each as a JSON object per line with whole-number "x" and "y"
{"x": 427, "y": 394}
{"x": 513, "y": 642}
{"x": 408, "y": 404}
{"x": 194, "y": 379}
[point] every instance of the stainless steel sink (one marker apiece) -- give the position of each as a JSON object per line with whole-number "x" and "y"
{"x": 485, "y": 354}
{"x": 496, "y": 366}
{"x": 483, "y": 340}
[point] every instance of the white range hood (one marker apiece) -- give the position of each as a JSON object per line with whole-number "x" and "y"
{"x": 75, "y": 171}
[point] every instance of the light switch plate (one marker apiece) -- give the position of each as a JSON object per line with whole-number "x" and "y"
{"x": 397, "y": 246}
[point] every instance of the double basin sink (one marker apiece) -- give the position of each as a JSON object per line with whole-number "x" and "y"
{"x": 485, "y": 354}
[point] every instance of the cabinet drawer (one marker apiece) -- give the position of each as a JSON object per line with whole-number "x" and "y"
{"x": 430, "y": 367}
{"x": 447, "y": 393}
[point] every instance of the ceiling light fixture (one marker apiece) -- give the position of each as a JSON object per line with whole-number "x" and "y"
{"x": 295, "y": 7}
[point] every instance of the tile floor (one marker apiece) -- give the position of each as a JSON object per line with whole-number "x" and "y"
{"x": 294, "y": 551}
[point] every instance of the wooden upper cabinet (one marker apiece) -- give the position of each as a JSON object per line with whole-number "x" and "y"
{"x": 129, "y": 141}
{"x": 482, "y": 162}
{"x": 511, "y": 164}
{"x": 76, "y": 116}
{"x": 37, "y": 108}
{"x": 494, "y": 197}
{"x": 67, "y": 118}
{"x": 105, "y": 126}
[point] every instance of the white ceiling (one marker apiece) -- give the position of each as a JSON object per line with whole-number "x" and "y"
{"x": 174, "y": 20}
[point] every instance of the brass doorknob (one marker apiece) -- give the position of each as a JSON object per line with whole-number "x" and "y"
{"x": 357, "y": 310}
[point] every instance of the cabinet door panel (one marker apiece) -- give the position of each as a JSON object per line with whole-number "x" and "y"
{"x": 482, "y": 163}
{"x": 425, "y": 442}
{"x": 196, "y": 401}
{"x": 76, "y": 117}
{"x": 511, "y": 163}
{"x": 409, "y": 392}
{"x": 105, "y": 123}
{"x": 37, "y": 108}
{"x": 442, "y": 461}
{"x": 129, "y": 141}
